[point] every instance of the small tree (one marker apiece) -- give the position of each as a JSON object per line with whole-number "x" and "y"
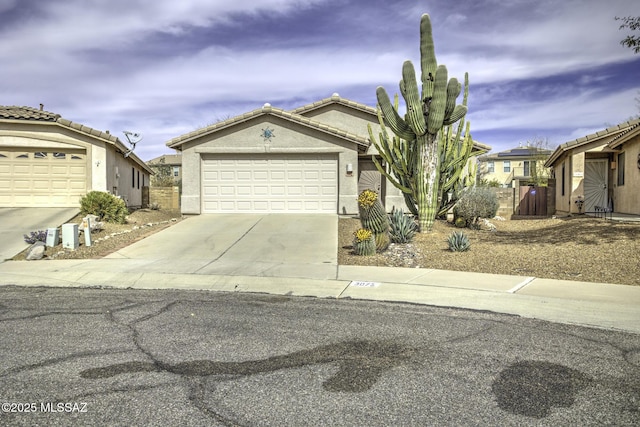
{"x": 539, "y": 153}
{"x": 162, "y": 174}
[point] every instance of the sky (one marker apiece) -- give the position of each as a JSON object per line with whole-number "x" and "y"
{"x": 544, "y": 70}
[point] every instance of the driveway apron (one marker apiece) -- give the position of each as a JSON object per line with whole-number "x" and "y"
{"x": 271, "y": 245}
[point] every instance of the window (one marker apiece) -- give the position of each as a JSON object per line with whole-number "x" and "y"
{"x": 40, "y": 155}
{"x": 506, "y": 165}
{"x": 133, "y": 177}
{"x": 22, "y": 156}
{"x": 563, "y": 179}
{"x": 176, "y": 171}
{"x": 527, "y": 170}
{"x": 490, "y": 167}
{"x": 138, "y": 180}
{"x": 59, "y": 155}
{"x": 621, "y": 169}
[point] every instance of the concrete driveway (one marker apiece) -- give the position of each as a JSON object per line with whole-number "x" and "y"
{"x": 15, "y": 222}
{"x": 271, "y": 245}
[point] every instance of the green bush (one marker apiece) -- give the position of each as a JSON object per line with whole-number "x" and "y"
{"x": 458, "y": 242}
{"x": 477, "y": 203}
{"x": 403, "y": 227}
{"x": 106, "y": 206}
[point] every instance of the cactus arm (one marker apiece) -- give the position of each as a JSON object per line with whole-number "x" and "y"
{"x": 428, "y": 61}
{"x": 439, "y": 101}
{"x": 409, "y": 88}
{"x": 453, "y": 90}
{"x": 395, "y": 122}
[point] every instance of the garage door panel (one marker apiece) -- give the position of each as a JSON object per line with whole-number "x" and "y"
{"x": 33, "y": 178}
{"x": 270, "y": 183}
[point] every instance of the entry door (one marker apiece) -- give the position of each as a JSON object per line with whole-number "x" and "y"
{"x": 596, "y": 184}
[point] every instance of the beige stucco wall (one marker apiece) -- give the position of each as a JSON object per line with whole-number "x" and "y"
{"x": 626, "y": 198}
{"x": 101, "y": 157}
{"x": 357, "y": 122}
{"x": 289, "y": 138}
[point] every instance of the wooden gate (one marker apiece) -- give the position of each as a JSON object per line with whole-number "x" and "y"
{"x": 533, "y": 201}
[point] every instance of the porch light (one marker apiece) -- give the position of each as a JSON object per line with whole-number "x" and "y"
{"x": 349, "y": 169}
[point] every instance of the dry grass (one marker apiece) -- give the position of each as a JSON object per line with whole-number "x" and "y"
{"x": 576, "y": 248}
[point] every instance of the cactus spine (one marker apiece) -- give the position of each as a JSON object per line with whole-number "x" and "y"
{"x": 426, "y": 115}
{"x": 364, "y": 242}
{"x": 373, "y": 217}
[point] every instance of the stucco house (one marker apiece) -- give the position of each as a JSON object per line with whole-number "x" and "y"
{"x": 521, "y": 164}
{"x": 600, "y": 170}
{"x": 48, "y": 161}
{"x": 172, "y": 161}
{"x": 315, "y": 159}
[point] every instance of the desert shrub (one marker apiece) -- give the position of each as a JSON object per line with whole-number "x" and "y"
{"x": 477, "y": 203}
{"x": 461, "y": 222}
{"x": 36, "y": 236}
{"x": 403, "y": 227}
{"x": 106, "y": 206}
{"x": 458, "y": 242}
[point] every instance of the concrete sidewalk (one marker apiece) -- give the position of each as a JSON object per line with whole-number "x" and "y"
{"x": 589, "y": 304}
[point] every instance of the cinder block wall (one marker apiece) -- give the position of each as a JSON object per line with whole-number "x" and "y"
{"x": 505, "y": 197}
{"x": 166, "y": 197}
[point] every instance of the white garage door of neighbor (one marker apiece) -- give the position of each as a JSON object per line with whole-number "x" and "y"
{"x": 30, "y": 178}
{"x": 270, "y": 183}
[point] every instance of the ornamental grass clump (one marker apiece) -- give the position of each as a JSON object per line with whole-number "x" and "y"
{"x": 364, "y": 242}
{"x": 36, "y": 236}
{"x": 458, "y": 242}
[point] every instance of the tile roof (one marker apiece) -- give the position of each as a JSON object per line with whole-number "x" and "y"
{"x": 361, "y": 141}
{"x": 26, "y": 113}
{"x": 335, "y": 99}
{"x": 169, "y": 159}
{"x": 34, "y": 114}
{"x": 613, "y": 132}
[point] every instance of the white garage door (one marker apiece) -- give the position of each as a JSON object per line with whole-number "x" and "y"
{"x": 270, "y": 183}
{"x": 42, "y": 178}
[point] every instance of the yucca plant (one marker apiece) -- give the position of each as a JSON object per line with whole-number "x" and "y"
{"x": 364, "y": 242}
{"x": 458, "y": 242}
{"x": 403, "y": 227}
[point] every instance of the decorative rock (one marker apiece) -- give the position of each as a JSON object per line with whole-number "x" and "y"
{"x": 35, "y": 251}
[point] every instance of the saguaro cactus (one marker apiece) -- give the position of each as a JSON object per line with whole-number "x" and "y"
{"x": 426, "y": 114}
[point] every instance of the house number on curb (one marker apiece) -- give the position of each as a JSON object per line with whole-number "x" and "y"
{"x": 360, "y": 284}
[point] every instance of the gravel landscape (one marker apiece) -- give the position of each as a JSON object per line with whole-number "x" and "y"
{"x": 573, "y": 248}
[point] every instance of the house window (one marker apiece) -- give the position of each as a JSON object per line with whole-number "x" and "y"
{"x": 527, "y": 169}
{"x": 621, "y": 169}
{"x": 40, "y": 155}
{"x": 563, "y": 179}
{"x": 490, "y": 167}
{"x": 133, "y": 177}
{"x": 138, "y": 180}
{"x": 176, "y": 171}
{"x": 506, "y": 165}
{"x": 59, "y": 155}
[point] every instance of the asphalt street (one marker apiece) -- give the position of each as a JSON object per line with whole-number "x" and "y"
{"x": 74, "y": 356}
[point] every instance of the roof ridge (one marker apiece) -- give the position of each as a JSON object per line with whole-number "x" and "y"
{"x": 335, "y": 98}
{"x": 268, "y": 109}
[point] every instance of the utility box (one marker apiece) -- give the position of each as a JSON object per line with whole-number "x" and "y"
{"x": 70, "y": 236}
{"x": 53, "y": 237}
{"x": 86, "y": 228}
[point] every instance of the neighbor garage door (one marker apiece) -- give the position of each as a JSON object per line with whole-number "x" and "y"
{"x": 270, "y": 183}
{"x": 30, "y": 178}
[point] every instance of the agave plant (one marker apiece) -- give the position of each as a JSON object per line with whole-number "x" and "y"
{"x": 458, "y": 242}
{"x": 403, "y": 227}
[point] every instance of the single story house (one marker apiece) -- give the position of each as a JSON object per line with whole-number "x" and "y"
{"x": 599, "y": 171}
{"x": 48, "y": 161}
{"x": 522, "y": 164}
{"x": 315, "y": 159}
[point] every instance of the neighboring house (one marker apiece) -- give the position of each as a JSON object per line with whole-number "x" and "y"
{"x": 172, "y": 161}
{"x": 522, "y": 164}
{"x": 316, "y": 158}
{"x": 600, "y": 170}
{"x": 48, "y": 161}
